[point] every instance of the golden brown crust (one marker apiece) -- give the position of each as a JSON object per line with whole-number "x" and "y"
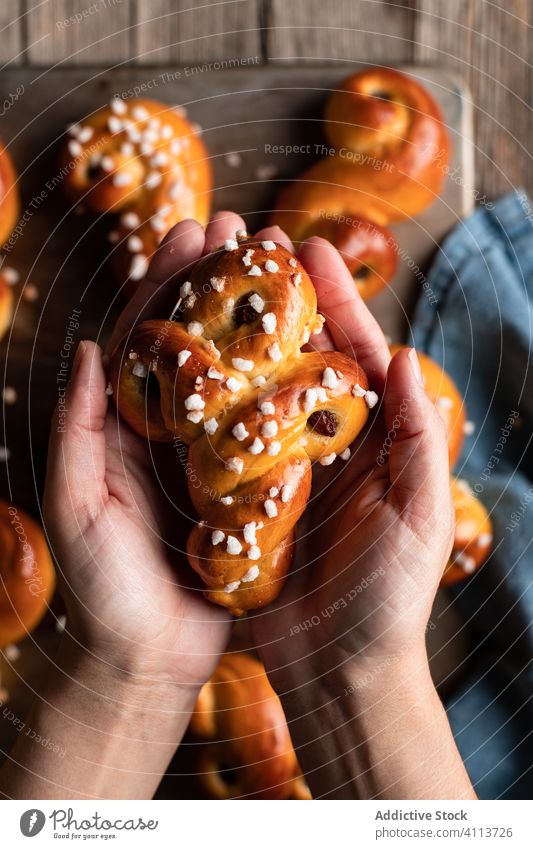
{"x": 143, "y": 160}
{"x": 248, "y": 749}
{"x": 251, "y": 445}
{"x": 9, "y": 195}
{"x": 28, "y": 576}
{"x": 473, "y": 534}
{"x": 443, "y": 392}
{"x": 392, "y": 150}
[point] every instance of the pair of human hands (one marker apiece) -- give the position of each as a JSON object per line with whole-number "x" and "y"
{"x": 371, "y": 547}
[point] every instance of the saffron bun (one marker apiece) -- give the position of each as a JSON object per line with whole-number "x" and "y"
{"x": 228, "y": 377}
{"x": 248, "y": 750}
{"x": 144, "y": 162}
{"x": 391, "y": 152}
{"x": 443, "y": 392}
{"x": 28, "y": 576}
{"x": 9, "y": 195}
{"x": 473, "y": 534}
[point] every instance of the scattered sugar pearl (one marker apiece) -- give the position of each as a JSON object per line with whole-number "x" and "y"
{"x": 127, "y": 149}
{"x": 233, "y": 545}
{"x": 75, "y": 148}
{"x": 10, "y": 275}
{"x": 153, "y": 180}
{"x": 255, "y": 271}
{"x": 328, "y": 459}
{"x": 269, "y": 429}
{"x": 109, "y": 389}
{"x": 214, "y": 374}
{"x": 484, "y": 539}
{"x": 130, "y": 220}
{"x": 118, "y": 106}
{"x": 467, "y": 563}
{"x": 218, "y": 283}
{"x": 267, "y": 408}
{"x": 235, "y": 464}
{"x": 231, "y": 245}
{"x": 183, "y": 356}
{"x": 268, "y": 245}
{"x": 195, "y": 416}
{"x": 259, "y": 381}
{"x": 265, "y": 172}
{"x": 195, "y": 328}
{"x": 293, "y": 263}
{"x": 257, "y": 302}
{"x": 12, "y": 653}
{"x": 217, "y": 537}
{"x": 135, "y": 244}
{"x": 329, "y": 378}
{"x": 138, "y": 267}
{"x": 242, "y": 365}
{"x": 233, "y": 159}
{"x": 107, "y": 163}
{"x": 241, "y": 234}
{"x": 270, "y": 508}
{"x": 158, "y": 223}
{"x": 445, "y": 403}
{"x": 469, "y": 428}
{"x": 296, "y": 279}
{"x": 226, "y": 500}
{"x": 345, "y": 455}
{"x": 269, "y": 322}
{"x": 274, "y": 448}
{"x": 273, "y": 491}
{"x": 321, "y": 394}
{"x": 358, "y": 391}
{"x": 254, "y": 553}
{"x": 194, "y": 402}
{"x": 286, "y": 493}
{"x": 257, "y": 446}
{"x": 139, "y": 369}
{"x": 122, "y": 178}
{"x": 232, "y": 586}
{"x": 185, "y": 289}
{"x": 211, "y": 426}
{"x": 249, "y": 533}
{"x": 233, "y": 384}
{"x": 310, "y": 400}
{"x": 9, "y": 395}
{"x": 239, "y": 432}
{"x": 371, "y": 399}
{"x": 271, "y": 266}
{"x": 274, "y": 352}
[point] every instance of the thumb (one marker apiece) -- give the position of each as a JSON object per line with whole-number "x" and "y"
{"x": 418, "y": 459}
{"x": 75, "y": 476}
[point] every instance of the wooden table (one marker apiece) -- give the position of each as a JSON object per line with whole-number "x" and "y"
{"x": 484, "y": 41}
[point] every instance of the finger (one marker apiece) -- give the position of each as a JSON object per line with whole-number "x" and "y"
{"x": 353, "y": 328}
{"x": 75, "y": 479}
{"x": 320, "y": 341}
{"x": 418, "y": 460}
{"x": 275, "y": 234}
{"x": 180, "y": 248}
{"x": 223, "y": 225}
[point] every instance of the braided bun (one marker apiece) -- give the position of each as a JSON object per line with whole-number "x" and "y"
{"x": 473, "y": 534}
{"x": 443, "y": 392}
{"x": 145, "y": 161}
{"x": 230, "y": 381}
{"x": 248, "y": 749}
{"x": 391, "y": 155}
{"x": 9, "y": 196}
{"x": 28, "y": 577}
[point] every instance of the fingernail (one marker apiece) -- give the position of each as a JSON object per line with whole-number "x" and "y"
{"x": 415, "y": 365}
{"x": 80, "y": 352}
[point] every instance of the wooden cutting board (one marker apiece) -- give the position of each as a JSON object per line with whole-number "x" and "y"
{"x": 244, "y": 112}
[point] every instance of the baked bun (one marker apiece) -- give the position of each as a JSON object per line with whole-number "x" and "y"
{"x": 473, "y": 534}
{"x": 6, "y": 301}
{"x": 229, "y": 379}
{"x": 9, "y": 195}
{"x": 28, "y": 576}
{"x": 443, "y": 392}
{"x": 369, "y": 251}
{"x": 145, "y": 162}
{"x": 392, "y": 150}
{"x": 248, "y": 749}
